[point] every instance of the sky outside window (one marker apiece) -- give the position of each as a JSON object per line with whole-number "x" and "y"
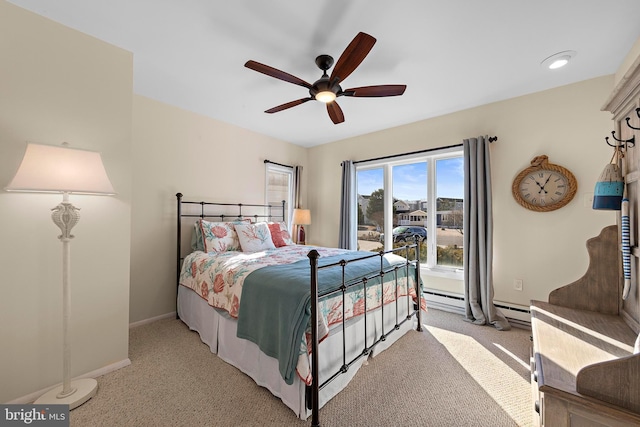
{"x": 409, "y": 181}
{"x": 450, "y": 178}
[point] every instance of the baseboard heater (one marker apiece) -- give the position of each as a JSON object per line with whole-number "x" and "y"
{"x": 517, "y": 315}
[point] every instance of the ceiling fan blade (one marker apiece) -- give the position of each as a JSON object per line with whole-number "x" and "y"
{"x": 335, "y": 112}
{"x": 352, "y": 56}
{"x": 288, "y": 105}
{"x": 278, "y": 74}
{"x": 375, "y": 91}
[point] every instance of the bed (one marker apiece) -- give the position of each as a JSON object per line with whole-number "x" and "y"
{"x": 299, "y": 320}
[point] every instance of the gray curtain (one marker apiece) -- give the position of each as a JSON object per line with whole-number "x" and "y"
{"x": 347, "y": 238}
{"x": 295, "y": 203}
{"x": 297, "y": 176}
{"x": 478, "y": 236}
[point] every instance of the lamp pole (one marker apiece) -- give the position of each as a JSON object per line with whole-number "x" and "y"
{"x": 65, "y": 216}
{"x": 75, "y": 393}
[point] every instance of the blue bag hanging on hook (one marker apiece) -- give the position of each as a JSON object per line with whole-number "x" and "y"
{"x": 610, "y": 186}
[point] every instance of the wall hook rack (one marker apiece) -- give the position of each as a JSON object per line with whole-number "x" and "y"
{"x": 631, "y": 141}
{"x": 629, "y": 124}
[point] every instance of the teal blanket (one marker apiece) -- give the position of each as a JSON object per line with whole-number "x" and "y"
{"x": 275, "y": 306}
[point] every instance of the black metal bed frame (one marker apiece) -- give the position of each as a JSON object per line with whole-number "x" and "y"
{"x": 313, "y": 391}
{"x": 204, "y": 214}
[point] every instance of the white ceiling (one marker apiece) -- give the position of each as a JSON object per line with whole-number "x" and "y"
{"x": 451, "y": 54}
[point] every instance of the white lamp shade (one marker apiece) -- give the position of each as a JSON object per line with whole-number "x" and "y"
{"x": 301, "y": 216}
{"x": 50, "y": 169}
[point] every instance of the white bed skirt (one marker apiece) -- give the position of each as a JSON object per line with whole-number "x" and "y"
{"x": 219, "y": 333}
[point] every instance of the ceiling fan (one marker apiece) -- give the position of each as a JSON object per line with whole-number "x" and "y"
{"x": 327, "y": 88}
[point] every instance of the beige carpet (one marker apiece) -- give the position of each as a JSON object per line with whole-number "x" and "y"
{"x": 452, "y": 374}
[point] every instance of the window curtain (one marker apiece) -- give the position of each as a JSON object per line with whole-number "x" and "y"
{"x": 297, "y": 177}
{"x": 347, "y": 238}
{"x": 295, "y": 201}
{"x": 478, "y": 236}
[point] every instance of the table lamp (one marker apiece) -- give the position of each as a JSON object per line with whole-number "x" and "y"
{"x": 301, "y": 217}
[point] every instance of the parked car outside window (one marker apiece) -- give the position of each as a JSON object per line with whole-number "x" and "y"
{"x": 405, "y": 233}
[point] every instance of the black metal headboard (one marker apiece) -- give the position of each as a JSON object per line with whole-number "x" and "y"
{"x": 221, "y": 211}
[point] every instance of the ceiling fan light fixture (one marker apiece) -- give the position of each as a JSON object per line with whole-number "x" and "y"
{"x": 326, "y": 96}
{"x": 558, "y": 60}
{"x": 327, "y": 88}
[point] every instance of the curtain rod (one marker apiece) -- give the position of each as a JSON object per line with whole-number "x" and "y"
{"x": 279, "y": 164}
{"x": 491, "y": 139}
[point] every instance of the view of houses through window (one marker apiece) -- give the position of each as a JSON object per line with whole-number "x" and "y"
{"x": 420, "y": 197}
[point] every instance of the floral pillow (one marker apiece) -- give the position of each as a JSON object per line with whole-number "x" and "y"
{"x": 219, "y": 236}
{"x": 198, "y": 242}
{"x": 254, "y": 237}
{"x": 280, "y": 234}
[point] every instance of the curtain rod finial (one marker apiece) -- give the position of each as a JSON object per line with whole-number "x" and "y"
{"x": 493, "y": 138}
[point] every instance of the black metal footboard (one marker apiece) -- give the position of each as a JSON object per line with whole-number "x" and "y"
{"x": 313, "y": 391}
{"x": 190, "y": 211}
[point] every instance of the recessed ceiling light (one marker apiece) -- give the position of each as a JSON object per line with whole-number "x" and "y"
{"x": 559, "y": 59}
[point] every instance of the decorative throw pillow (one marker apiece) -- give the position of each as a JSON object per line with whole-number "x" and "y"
{"x": 254, "y": 237}
{"x": 279, "y": 234}
{"x": 219, "y": 236}
{"x": 197, "y": 242}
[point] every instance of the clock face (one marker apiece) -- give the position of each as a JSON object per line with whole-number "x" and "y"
{"x": 544, "y": 187}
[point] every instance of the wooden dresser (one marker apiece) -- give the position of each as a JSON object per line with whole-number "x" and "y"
{"x": 583, "y": 370}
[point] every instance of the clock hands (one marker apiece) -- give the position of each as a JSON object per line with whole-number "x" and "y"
{"x": 544, "y": 185}
{"x": 541, "y": 186}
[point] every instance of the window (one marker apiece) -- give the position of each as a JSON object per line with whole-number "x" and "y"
{"x": 279, "y": 187}
{"x": 370, "y": 189}
{"x": 418, "y": 196}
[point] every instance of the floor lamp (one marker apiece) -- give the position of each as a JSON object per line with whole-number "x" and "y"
{"x": 51, "y": 169}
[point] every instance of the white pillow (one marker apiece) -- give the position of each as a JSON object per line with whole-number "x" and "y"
{"x": 254, "y": 237}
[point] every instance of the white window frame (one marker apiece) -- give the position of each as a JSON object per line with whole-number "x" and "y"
{"x": 271, "y": 167}
{"x": 431, "y": 157}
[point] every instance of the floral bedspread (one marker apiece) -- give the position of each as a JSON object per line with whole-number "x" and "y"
{"x": 218, "y": 278}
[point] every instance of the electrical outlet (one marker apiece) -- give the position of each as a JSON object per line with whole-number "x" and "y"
{"x": 517, "y": 284}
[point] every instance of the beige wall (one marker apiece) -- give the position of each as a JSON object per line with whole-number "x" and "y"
{"x": 59, "y": 85}
{"x": 545, "y": 250}
{"x": 178, "y": 151}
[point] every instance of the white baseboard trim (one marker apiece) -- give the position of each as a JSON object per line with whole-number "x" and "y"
{"x": 31, "y": 397}
{"x": 152, "y": 319}
{"x": 517, "y": 315}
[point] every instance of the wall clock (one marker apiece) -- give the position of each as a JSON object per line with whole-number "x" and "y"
{"x": 543, "y": 186}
